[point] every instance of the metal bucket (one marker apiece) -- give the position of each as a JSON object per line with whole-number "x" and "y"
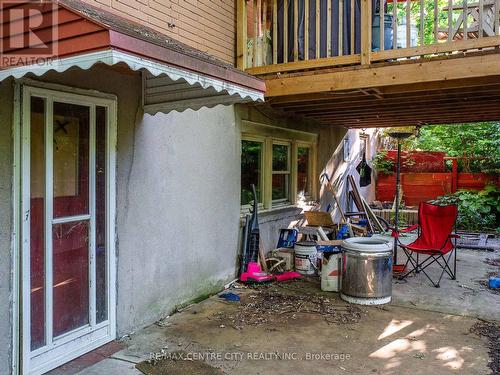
{"x": 366, "y": 271}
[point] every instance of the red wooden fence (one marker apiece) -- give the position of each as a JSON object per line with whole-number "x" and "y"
{"x": 420, "y": 187}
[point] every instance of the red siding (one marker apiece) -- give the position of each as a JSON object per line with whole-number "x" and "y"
{"x": 75, "y": 34}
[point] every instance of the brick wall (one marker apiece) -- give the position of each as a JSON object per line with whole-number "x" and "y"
{"x": 208, "y": 25}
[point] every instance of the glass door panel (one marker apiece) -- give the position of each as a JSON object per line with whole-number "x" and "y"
{"x": 71, "y": 159}
{"x": 37, "y": 223}
{"x": 70, "y": 243}
{"x": 101, "y": 238}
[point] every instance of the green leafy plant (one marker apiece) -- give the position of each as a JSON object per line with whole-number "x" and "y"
{"x": 476, "y": 145}
{"x": 382, "y": 164}
{"x": 477, "y": 210}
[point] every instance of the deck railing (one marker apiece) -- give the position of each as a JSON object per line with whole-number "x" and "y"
{"x": 288, "y": 35}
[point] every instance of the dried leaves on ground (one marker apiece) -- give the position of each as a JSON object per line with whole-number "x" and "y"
{"x": 491, "y": 332}
{"x": 275, "y": 305}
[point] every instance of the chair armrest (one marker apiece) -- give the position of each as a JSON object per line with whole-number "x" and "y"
{"x": 453, "y": 235}
{"x": 406, "y": 230}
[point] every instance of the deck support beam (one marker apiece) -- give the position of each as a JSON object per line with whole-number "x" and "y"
{"x": 384, "y": 76}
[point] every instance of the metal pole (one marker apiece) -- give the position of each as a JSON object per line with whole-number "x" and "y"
{"x": 398, "y": 178}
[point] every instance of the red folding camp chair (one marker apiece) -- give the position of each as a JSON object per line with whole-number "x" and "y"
{"x": 435, "y": 240}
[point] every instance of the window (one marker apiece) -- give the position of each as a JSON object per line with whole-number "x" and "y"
{"x": 303, "y": 171}
{"x": 281, "y": 173}
{"x": 251, "y": 170}
{"x": 280, "y": 162}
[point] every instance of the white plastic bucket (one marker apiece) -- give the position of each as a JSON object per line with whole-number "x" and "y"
{"x": 331, "y": 272}
{"x": 306, "y": 257}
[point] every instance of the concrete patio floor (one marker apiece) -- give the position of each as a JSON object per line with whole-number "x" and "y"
{"x": 425, "y": 330}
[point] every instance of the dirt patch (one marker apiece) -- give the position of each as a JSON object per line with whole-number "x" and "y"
{"x": 177, "y": 363}
{"x": 491, "y": 332}
{"x": 281, "y": 303}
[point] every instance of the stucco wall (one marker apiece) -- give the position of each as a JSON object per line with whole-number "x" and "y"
{"x": 5, "y": 224}
{"x": 179, "y": 229}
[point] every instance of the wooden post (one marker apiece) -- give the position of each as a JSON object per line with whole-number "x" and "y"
{"x": 450, "y": 20}
{"x": 285, "y": 31}
{"x": 306, "y": 30}
{"x": 255, "y": 33}
{"x": 295, "y": 30}
{"x": 353, "y": 20}
{"x": 341, "y": 27}
{"x": 395, "y": 24}
{"x": 422, "y": 20}
{"x": 435, "y": 21}
{"x": 481, "y": 18}
{"x": 454, "y": 177}
{"x": 318, "y": 30}
{"x": 466, "y": 13}
{"x": 497, "y": 17}
{"x": 264, "y": 33}
{"x": 275, "y": 31}
{"x": 241, "y": 35}
{"x": 366, "y": 31}
{"x": 329, "y": 29}
{"x": 408, "y": 23}
{"x": 381, "y": 14}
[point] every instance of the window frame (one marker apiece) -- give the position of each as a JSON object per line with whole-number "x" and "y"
{"x": 262, "y": 140}
{"x": 271, "y": 135}
{"x": 288, "y": 172}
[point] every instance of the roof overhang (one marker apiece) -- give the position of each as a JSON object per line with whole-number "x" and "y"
{"x": 166, "y": 88}
{"x": 175, "y": 76}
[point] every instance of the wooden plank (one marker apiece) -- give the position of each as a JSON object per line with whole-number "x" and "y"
{"x": 329, "y": 29}
{"x": 285, "y": 31}
{"x": 318, "y": 30}
{"x": 303, "y": 65}
{"x": 459, "y": 45}
{"x": 306, "y": 30}
{"x": 275, "y": 31}
{"x": 295, "y": 30}
{"x": 366, "y": 31}
{"x": 426, "y": 71}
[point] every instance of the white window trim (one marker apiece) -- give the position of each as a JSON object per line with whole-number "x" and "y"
{"x": 269, "y": 135}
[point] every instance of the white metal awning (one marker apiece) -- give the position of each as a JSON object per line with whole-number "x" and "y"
{"x": 165, "y": 88}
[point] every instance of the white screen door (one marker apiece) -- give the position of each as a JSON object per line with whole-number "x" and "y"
{"x": 68, "y": 219}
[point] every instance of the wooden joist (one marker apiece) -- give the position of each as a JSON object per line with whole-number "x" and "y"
{"x": 389, "y": 75}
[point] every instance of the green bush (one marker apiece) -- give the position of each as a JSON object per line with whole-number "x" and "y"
{"x": 382, "y": 164}
{"x": 477, "y": 210}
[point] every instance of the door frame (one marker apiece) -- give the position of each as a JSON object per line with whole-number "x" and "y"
{"x": 23, "y": 88}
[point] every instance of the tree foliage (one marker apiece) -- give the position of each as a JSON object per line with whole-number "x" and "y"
{"x": 478, "y": 145}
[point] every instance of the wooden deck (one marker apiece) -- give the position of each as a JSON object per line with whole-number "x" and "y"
{"x": 450, "y": 74}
